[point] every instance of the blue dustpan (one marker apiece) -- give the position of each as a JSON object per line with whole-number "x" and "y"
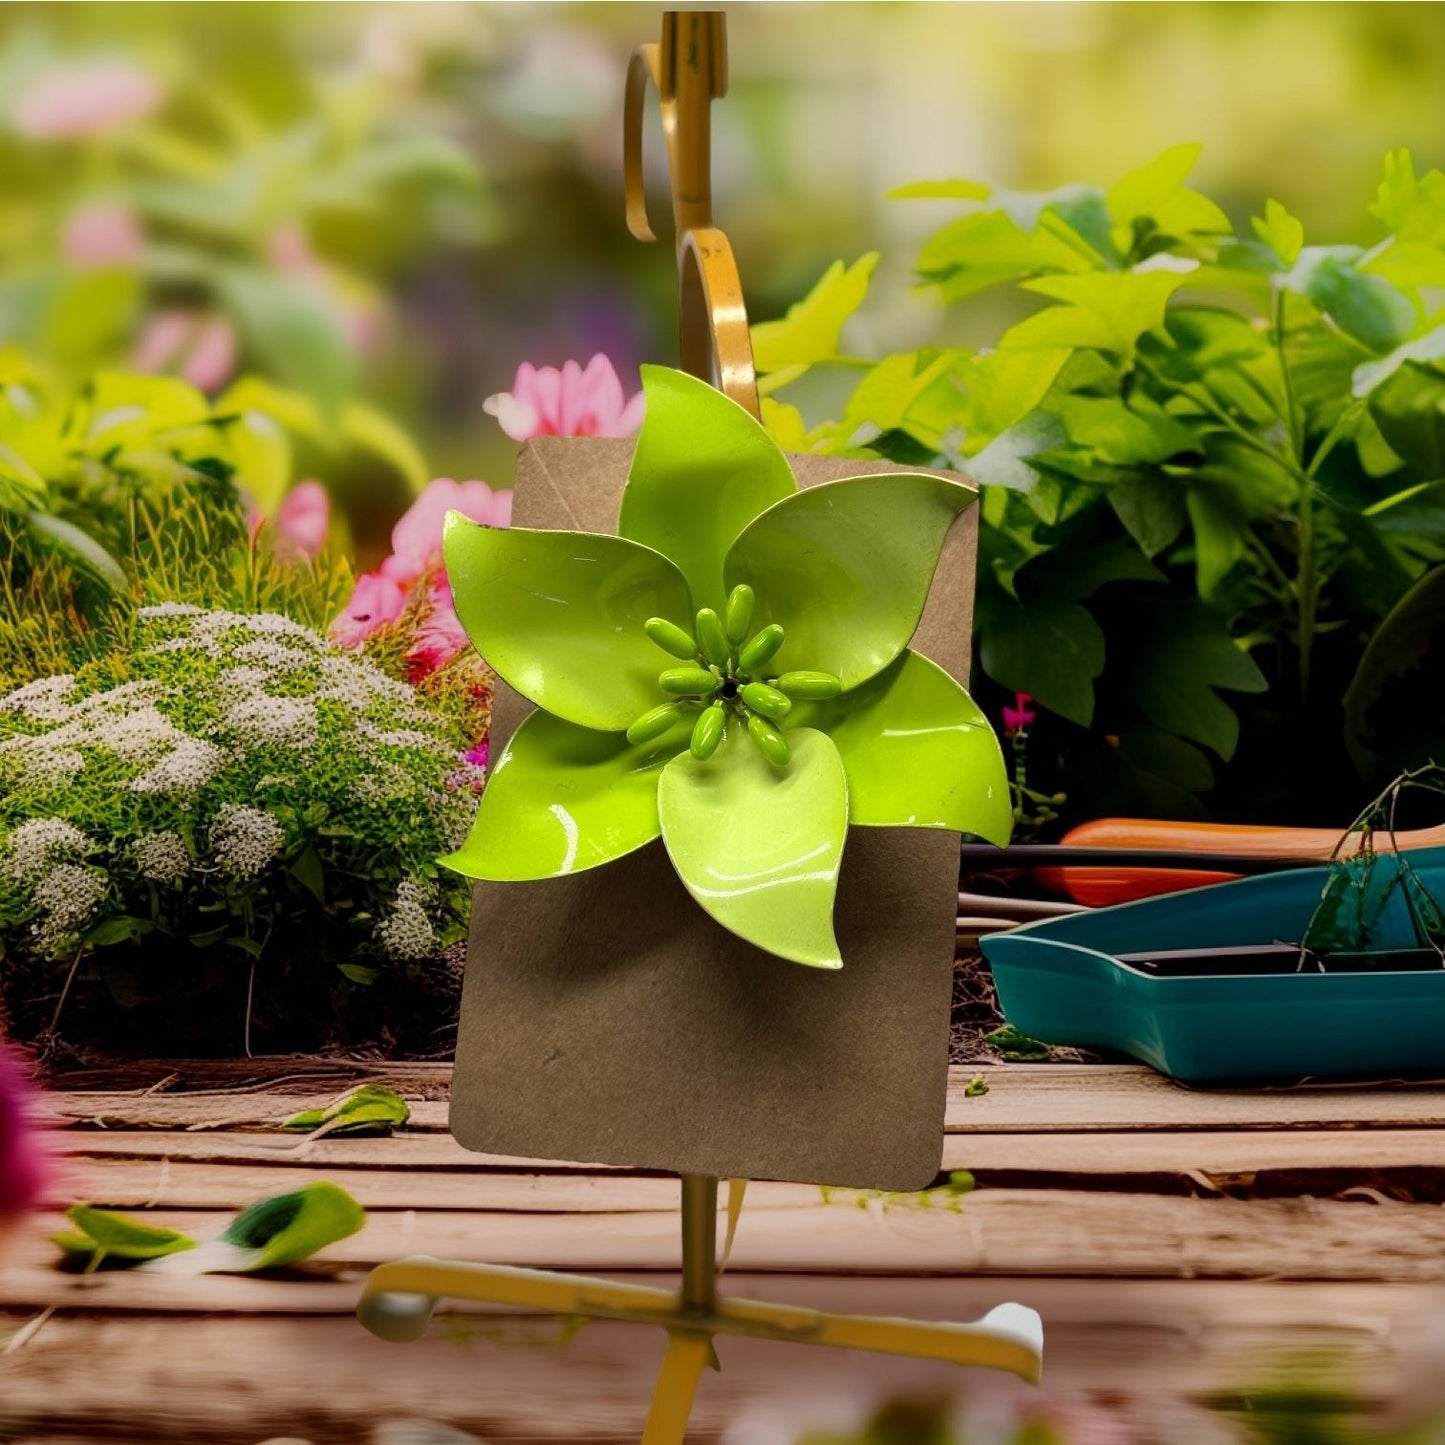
{"x": 1062, "y": 981}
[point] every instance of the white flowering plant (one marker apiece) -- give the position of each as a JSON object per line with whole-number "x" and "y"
{"x": 234, "y": 786}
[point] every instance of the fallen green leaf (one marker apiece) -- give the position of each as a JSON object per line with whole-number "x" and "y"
{"x": 371, "y": 1109}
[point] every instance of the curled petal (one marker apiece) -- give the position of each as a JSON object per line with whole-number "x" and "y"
{"x": 562, "y": 799}
{"x": 918, "y": 752}
{"x": 561, "y": 616}
{"x": 759, "y": 846}
{"x": 703, "y": 469}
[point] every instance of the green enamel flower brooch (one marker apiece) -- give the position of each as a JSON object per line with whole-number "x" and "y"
{"x": 731, "y": 673}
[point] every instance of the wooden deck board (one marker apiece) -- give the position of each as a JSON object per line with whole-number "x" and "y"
{"x": 1105, "y": 1201}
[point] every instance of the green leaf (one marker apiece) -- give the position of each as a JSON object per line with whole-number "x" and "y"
{"x": 562, "y": 799}
{"x": 759, "y": 847}
{"x": 1006, "y": 460}
{"x": 845, "y": 568}
{"x": 288, "y": 1228}
{"x": 810, "y": 332}
{"x": 918, "y": 752}
{"x": 981, "y": 250}
{"x": 1392, "y": 714}
{"x": 1014, "y": 1046}
{"x": 103, "y": 1232}
{"x": 1413, "y": 209}
{"x": 359, "y": 973}
{"x": 1152, "y": 510}
{"x": 1409, "y": 409}
{"x": 560, "y": 615}
{"x": 1283, "y": 233}
{"x": 262, "y": 454}
{"x": 949, "y": 190}
{"x": 369, "y": 1109}
{"x": 1183, "y": 658}
{"x": 79, "y": 548}
{"x": 1124, "y": 434}
{"x": 374, "y": 431}
{"x": 1048, "y": 647}
{"x": 120, "y": 929}
{"x": 1364, "y": 306}
{"x": 295, "y": 333}
{"x": 307, "y": 870}
{"x": 1108, "y": 310}
{"x": 1002, "y": 388}
{"x": 1369, "y": 376}
{"x": 702, "y": 470}
{"x": 1156, "y": 192}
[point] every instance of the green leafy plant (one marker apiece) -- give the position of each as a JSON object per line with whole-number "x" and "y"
{"x": 232, "y": 787}
{"x": 1210, "y": 467}
{"x": 735, "y": 678}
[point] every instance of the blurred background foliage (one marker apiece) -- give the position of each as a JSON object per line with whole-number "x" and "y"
{"x": 403, "y": 202}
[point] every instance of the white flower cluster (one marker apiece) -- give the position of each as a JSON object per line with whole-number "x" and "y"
{"x": 245, "y": 840}
{"x": 161, "y": 857}
{"x": 406, "y": 930}
{"x": 68, "y": 897}
{"x": 288, "y": 722}
{"x": 189, "y": 766}
{"x": 34, "y": 846}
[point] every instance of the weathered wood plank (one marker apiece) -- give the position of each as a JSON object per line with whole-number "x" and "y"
{"x": 227, "y": 1379}
{"x": 1008, "y": 1232}
{"x": 1222, "y": 1153}
{"x": 1022, "y": 1098}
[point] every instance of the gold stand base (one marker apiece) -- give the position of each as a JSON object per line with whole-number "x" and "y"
{"x": 398, "y": 1300}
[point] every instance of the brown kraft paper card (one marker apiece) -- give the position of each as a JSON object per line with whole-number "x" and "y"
{"x": 606, "y": 1019}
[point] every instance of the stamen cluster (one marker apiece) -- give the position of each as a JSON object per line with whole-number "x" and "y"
{"x": 725, "y": 679}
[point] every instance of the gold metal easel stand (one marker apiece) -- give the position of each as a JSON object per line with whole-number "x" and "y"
{"x": 689, "y": 70}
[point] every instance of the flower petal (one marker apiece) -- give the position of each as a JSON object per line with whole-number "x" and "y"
{"x": 845, "y": 568}
{"x": 560, "y": 615}
{"x": 702, "y": 470}
{"x": 918, "y": 752}
{"x": 759, "y": 847}
{"x": 562, "y": 799}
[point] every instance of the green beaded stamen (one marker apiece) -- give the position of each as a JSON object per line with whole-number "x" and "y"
{"x": 721, "y": 677}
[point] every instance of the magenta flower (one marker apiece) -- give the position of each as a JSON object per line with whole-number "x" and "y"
{"x": 545, "y": 402}
{"x": 440, "y": 636}
{"x": 103, "y": 233}
{"x": 22, "y": 1161}
{"x": 416, "y": 540}
{"x": 375, "y": 602}
{"x": 81, "y": 98}
{"x": 1020, "y": 717}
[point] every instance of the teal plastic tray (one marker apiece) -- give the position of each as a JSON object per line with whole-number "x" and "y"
{"x": 1061, "y": 981}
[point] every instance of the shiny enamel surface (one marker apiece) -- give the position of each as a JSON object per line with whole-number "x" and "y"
{"x": 564, "y": 798}
{"x": 703, "y": 469}
{"x": 845, "y": 568}
{"x": 918, "y": 752}
{"x": 561, "y": 616}
{"x": 759, "y": 847}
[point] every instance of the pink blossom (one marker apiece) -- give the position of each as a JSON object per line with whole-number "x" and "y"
{"x": 567, "y": 403}
{"x": 200, "y": 348}
{"x": 477, "y": 757}
{"x": 22, "y": 1161}
{"x": 80, "y": 98}
{"x": 1020, "y": 717}
{"x": 439, "y": 638}
{"x": 103, "y": 233}
{"x": 416, "y": 540}
{"x": 375, "y": 602}
{"x": 303, "y": 519}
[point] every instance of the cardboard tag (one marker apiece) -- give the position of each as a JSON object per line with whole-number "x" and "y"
{"x": 606, "y": 1019}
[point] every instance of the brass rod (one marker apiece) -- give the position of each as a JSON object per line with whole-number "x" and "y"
{"x": 699, "y": 1242}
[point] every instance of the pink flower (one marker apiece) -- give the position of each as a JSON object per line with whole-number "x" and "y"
{"x": 104, "y": 233}
{"x": 22, "y": 1160}
{"x": 545, "y": 402}
{"x": 439, "y": 638}
{"x": 477, "y": 757}
{"x": 303, "y": 519}
{"x": 1020, "y": 717}
{"x": 416, "y": 540}
{"x": 200, "y": 348}
{"x": 375, "y": 602}
{"x": 82, "y": 97}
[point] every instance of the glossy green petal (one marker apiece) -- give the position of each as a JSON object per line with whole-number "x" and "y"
{"x": 918, "y": 752}
{"x": 561, "y": 616}
{"x": 562, "y": 798}
{"x": 845, "y": 568}
{"x": 703, "y": 469}
{"x": 759, "y": 846}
